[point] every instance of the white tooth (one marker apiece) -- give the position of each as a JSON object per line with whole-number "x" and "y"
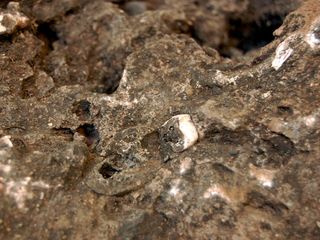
{"x": 188, "y": 130}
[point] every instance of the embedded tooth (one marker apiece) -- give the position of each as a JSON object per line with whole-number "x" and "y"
{"x": 180, "y": 132}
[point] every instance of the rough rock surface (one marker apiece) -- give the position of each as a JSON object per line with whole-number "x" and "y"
{"x": 86, "y": 92}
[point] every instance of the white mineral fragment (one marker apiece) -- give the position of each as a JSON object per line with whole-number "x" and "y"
{"x": 283, "y": 52}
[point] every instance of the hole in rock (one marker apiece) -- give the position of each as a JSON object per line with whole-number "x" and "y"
{"x": 284, "y": 110}
{"x": 90, "y": 132}
{"x": 240, "y": 32}
{"x": 107, "y": 170}
{"x": 254, "y": 28}
{"x": 73, "y": 11}
{"x": 47, "y": 33}
{"x": 247, "y": 36}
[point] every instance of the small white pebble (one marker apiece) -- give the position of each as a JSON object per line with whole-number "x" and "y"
{"x": 13, "y": 19}
{"x": 2, "y": 28}
{"x": 223, "y": 79}
{"x": 185, "y": 165}
{"x": 41, "y": 196}
{"x": 174, "y": 191}
{"x": 5, "y": 142}
{"x": 40, "y": 184}
{"x": 216, "y": 190}
{"x": 266, "y": 95}
{"x": 264, "y": 176}
{"x": 5, "y": 168}
{"x": 310, "y": 121}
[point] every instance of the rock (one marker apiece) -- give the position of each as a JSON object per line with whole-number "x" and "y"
{"x": 159, "y": 119}
{"x": 135, "y": 7}
{"x": 12, "y": 19}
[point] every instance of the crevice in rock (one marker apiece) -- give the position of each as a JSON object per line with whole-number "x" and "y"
{"x": 265, "y": 204}
{"x": 73, "y": 11}
{"x": 284, "y": 110}
{"x": 28, "y": 88}
{"x": 282, "y": 145}
{"x": 223, "y": 135}
{"x": 4, "y": 3}
{"x": 66, "y": 133}
{"x": 273, "y": 151}
{"x": 6, "y": 39}
{"x": 222, "y": 169}
{"x": 111, "y": 73}
{"x": 110, "y": 83}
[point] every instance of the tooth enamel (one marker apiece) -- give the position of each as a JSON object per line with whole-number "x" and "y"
{"x": 188, "y": 132}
